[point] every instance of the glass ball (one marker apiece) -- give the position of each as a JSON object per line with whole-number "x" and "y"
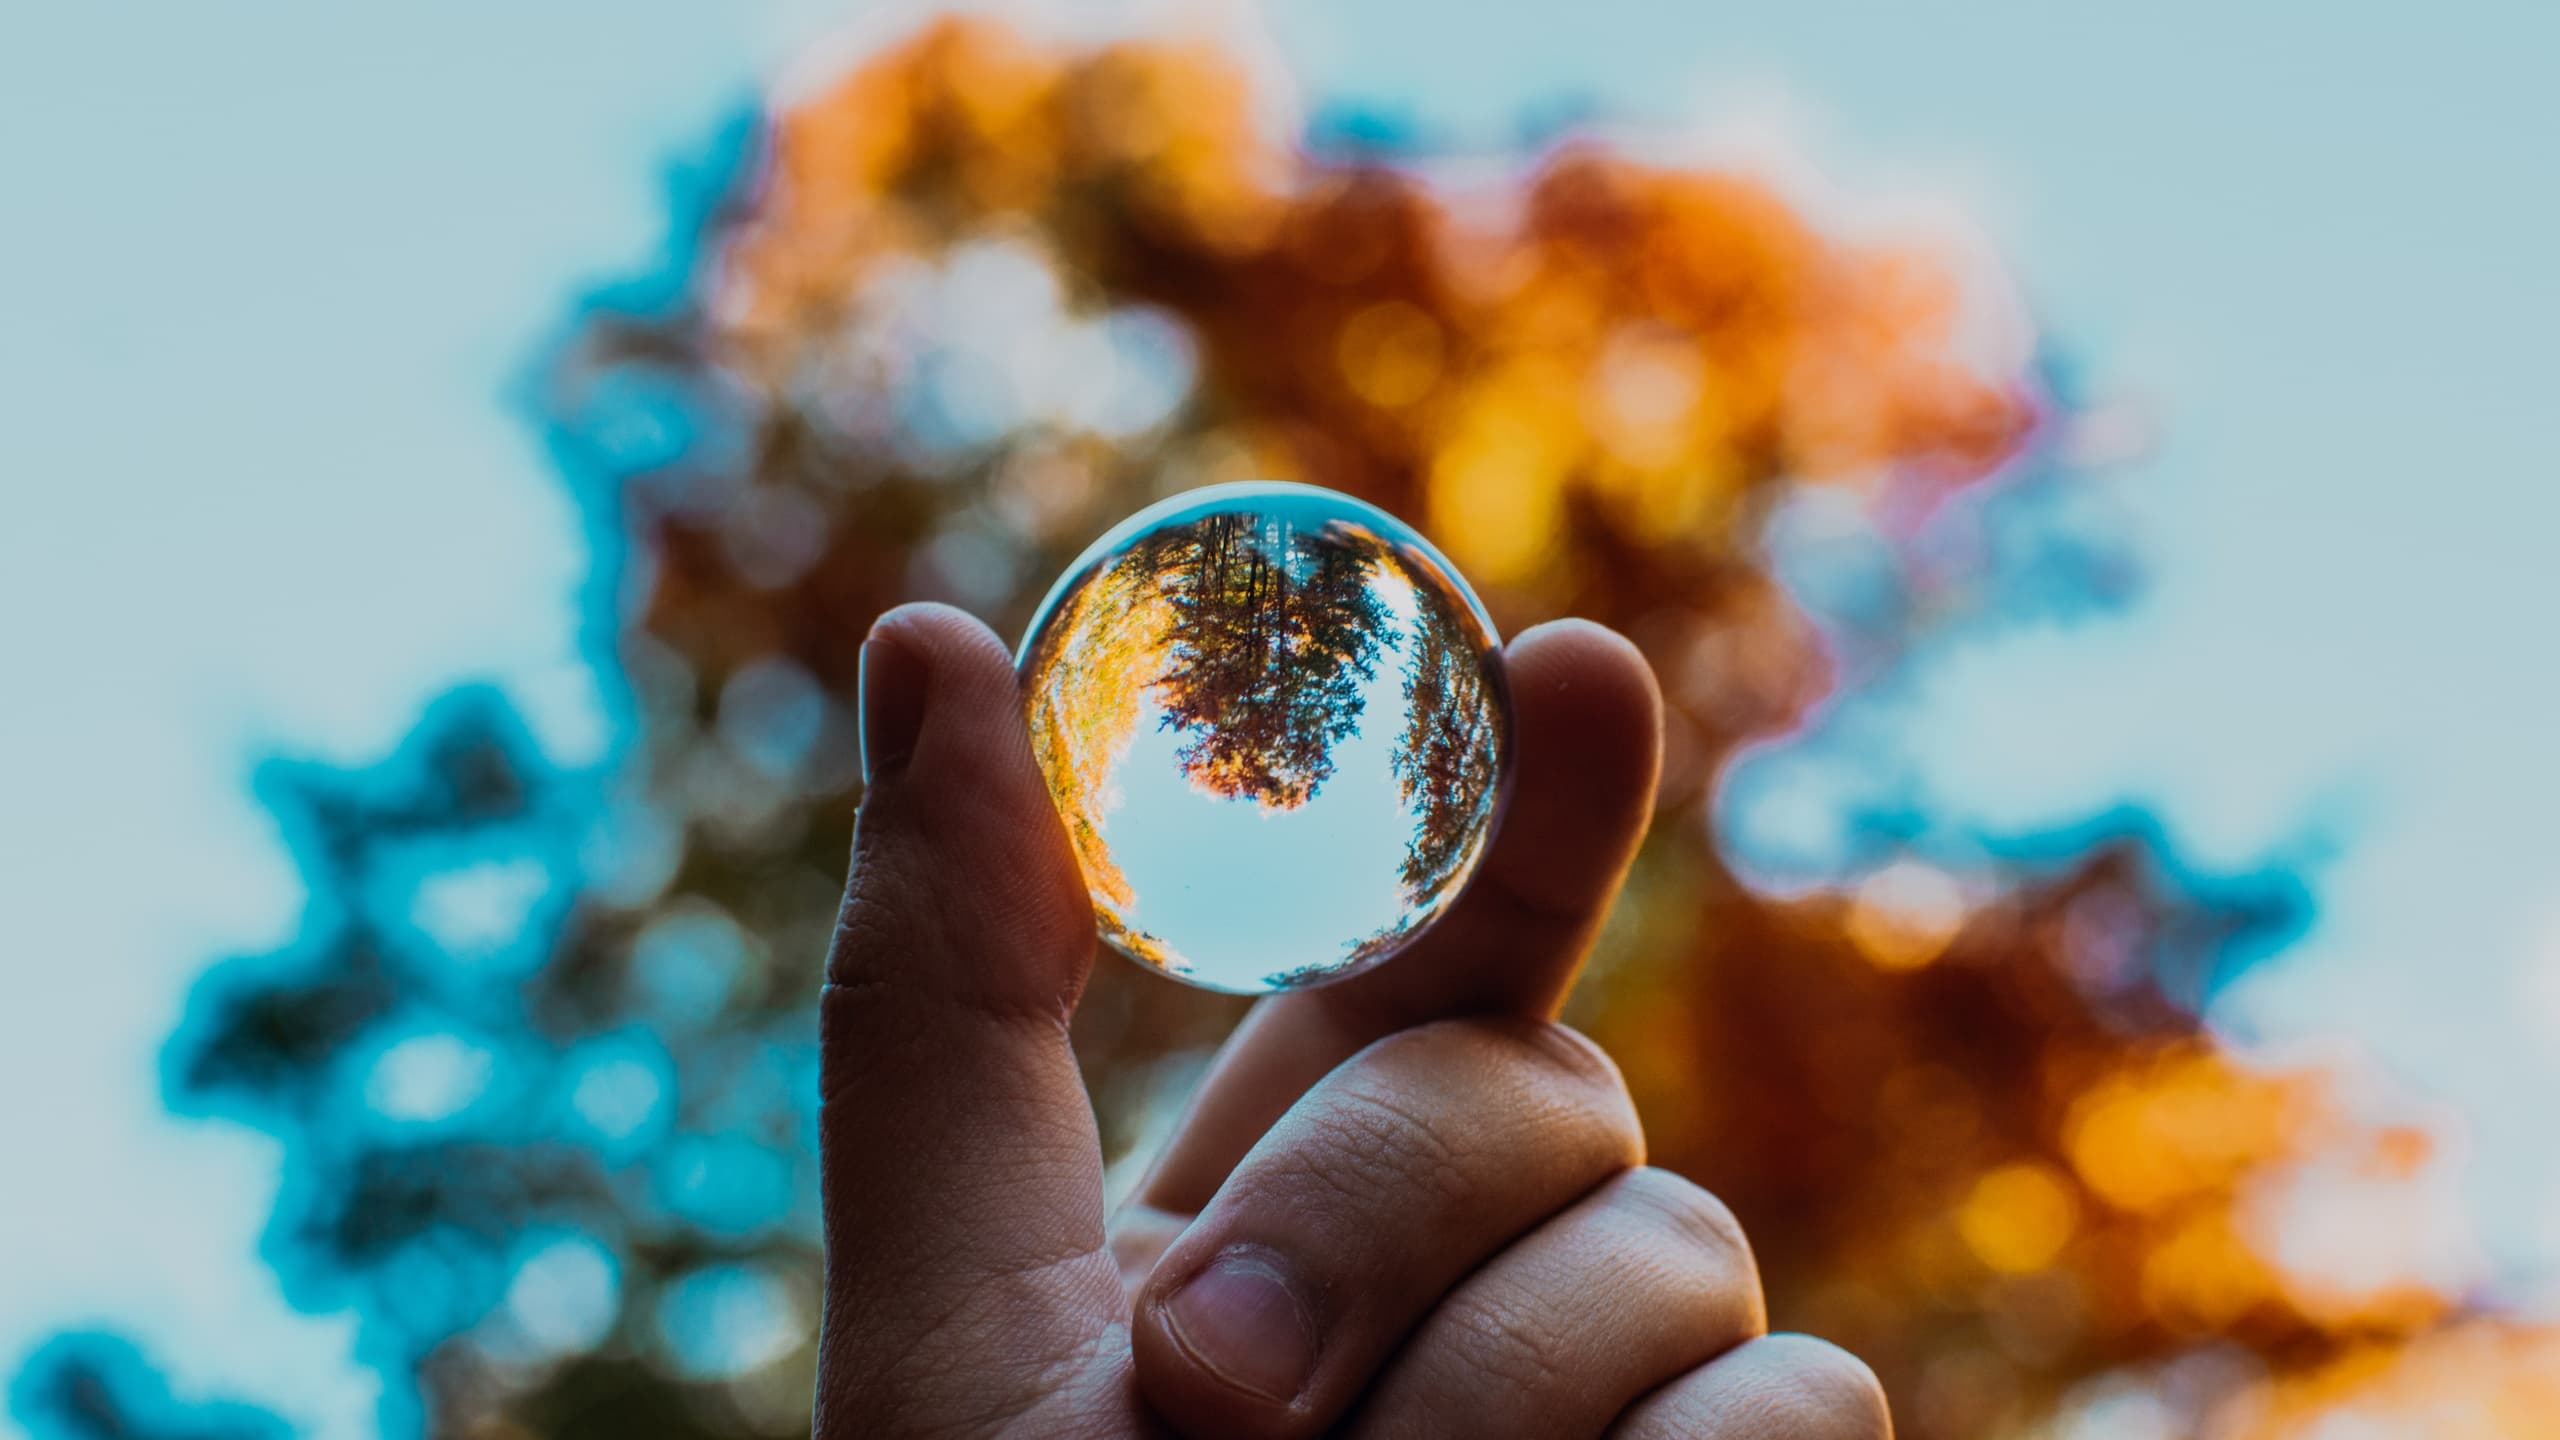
{"x": 1274, "y": 721}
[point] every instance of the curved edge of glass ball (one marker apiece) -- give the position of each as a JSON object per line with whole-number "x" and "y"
{"x": 1316, "y": 502}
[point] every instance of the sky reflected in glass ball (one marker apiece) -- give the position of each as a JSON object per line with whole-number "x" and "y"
{"x": 1274, "y": 720}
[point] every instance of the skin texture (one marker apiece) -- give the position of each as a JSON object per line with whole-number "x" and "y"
{"x": 1409, "y": 1204}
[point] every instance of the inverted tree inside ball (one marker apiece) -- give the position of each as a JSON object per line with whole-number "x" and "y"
{"x": 1274, "y": 720}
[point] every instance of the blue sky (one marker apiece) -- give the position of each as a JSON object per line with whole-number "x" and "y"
{"x": 267, "y": 272}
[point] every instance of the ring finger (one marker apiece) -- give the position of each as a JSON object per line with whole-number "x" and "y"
{"x": 1390, "y": 1181}
{"x": 1646, "y": 1278}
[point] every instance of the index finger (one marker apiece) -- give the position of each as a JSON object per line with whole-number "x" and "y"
{"x": 1589, "y": 726}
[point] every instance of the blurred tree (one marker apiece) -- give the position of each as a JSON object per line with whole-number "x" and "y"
{"x": 542, "y": 1060}
{"x": 97, "y": 1387}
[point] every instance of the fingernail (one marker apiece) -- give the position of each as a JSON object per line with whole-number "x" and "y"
{"x": 1241, "y": 1319}
{"x": 890, "y": 679}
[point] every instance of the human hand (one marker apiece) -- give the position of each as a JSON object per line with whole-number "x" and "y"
{"x": 1404, "y": 1205}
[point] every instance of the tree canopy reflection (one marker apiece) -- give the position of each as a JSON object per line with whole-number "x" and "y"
{"x": 1263, "y": 642}
{"x": 1448, "y": 759}
{"x": 1271, "y": 633}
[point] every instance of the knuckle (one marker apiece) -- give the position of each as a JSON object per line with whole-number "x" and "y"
{"x": 913, "y": 904}
{"x": 1550, "y": 1051}
{"x": 1690, "y": 1212}
{"x": 1371, "y": 1145}
{"x": 1507, "y": 1342}
{"x": 1570, "y": 1054}
{"x": 1590, "y": 1094}
{"x": 879, "y": 920}
{"x": 1818, "y": 1391}
{"x": 1453, "y": 1112}
{"x": 1566, "y": 1073}
{"x": 1049, "y": 920}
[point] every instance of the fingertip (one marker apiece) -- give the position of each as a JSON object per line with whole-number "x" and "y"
{"x": 1827, "y": 1380}
{"x": 940, "y": 689}
{"x": 1785, "y": 1386}
{"x": 947, "y": 656}
{"x": 1589, "y": 717}
{"x": 932, "y": 623}
{"x": 891, "y": 683}
{"x": 958, "y": 842}
{"x": 1578, "y": 677}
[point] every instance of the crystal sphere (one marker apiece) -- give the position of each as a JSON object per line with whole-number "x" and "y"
{"x": 1274, "y": 720}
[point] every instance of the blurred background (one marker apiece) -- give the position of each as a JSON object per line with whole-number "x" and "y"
{"x": 2082, "y": 475}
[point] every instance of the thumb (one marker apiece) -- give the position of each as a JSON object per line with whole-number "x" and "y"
{"x": 963, "y": 1182}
